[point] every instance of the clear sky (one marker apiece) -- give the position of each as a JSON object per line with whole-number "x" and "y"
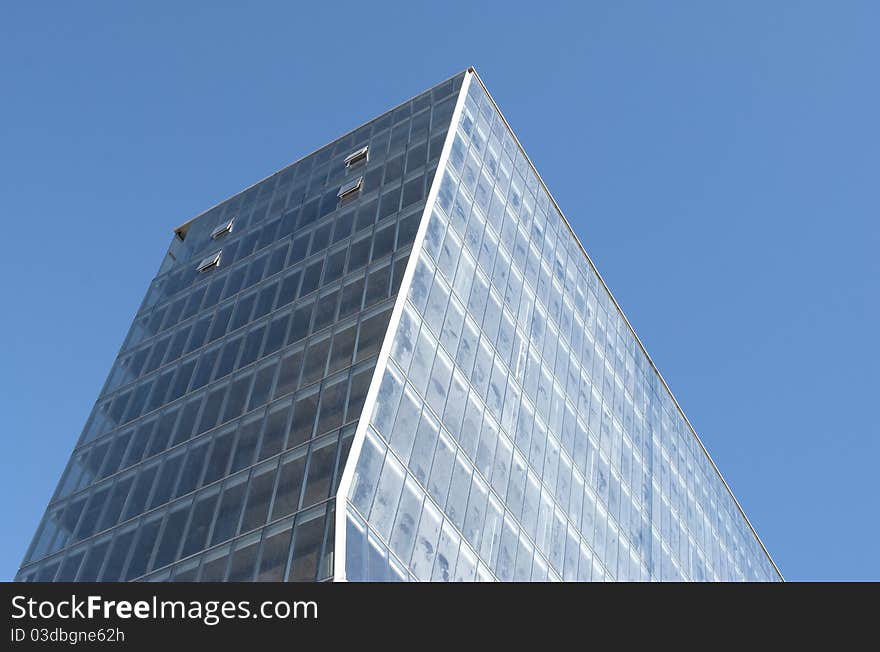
{"x": 719, "y": 161}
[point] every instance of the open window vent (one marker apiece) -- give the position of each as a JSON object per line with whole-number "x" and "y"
{"x": 209, "y": 261}
{"x": 361, "y": 155}
{"x": 222, "y": 230}
{"x": 350, "y": 187}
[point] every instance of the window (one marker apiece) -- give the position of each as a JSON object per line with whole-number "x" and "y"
{"x": 350, "y": 187}
{"x": 209, "y": 261}
{"x": 361, "y": 155}
{"x": 222, "y": 230}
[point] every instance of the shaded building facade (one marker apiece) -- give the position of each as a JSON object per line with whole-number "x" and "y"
{"x": 404, "y": 319}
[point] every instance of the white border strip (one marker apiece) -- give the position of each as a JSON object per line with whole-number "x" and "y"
{"x": 385, "y": 352}
{"x": 629, "y": 325}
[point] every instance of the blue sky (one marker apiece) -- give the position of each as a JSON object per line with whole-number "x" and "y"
{"x": 718, "y": 160}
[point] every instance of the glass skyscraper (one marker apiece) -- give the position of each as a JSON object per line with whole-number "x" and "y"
{"x": 405, "y": 320}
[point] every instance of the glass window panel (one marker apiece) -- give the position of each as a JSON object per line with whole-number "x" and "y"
{"x": 203, "y": 514}
{"x": 289, "y": 485}
{"x": 236, "y": 280}
{"x": 315, "y": 361}
{"x": 447, "y": 553}
{"x": 273, "y": 558}
{"x": 288, "y": 375}
{"x": 141, "y": 491}
{"x": 205, "y": 368}
{"x": 163, "y": 432}
{"x": 220, "y": 323}
{"x": 460, "y": 484}
{"x": 438, "y": 386}
{"x": 243, "y": 309}
{"x": 246, "y": 447}
{"x": 335, "y": 265}
{"x": 400, "y": 265}
{"x": 220, "y": 454}
{"x": 228, "y": 357}
{"x": 322, "y": 461}
{"x": 156, "y": 355}
{"x": 229, "y": 511}
{"x": 352, "y": 297}
{"x": 214, "y": 567}
{"x": 276, "y": 261}
{"x": 332, "y": 404}
{"x": 259, "y": 495}
{"x": 160, "y": 390}
{"x": 252, "y": 344}
{"x": 175, "y": 349}
{"x": 70, "y": 566}
{"x": 360, "y": 254}
{"x": 406, "y": 423}
{"x": 275, "y": 429}
{"x": 311, "y": 277}
{"x": 372, "y": 332}
{"x": 115, "y": 503}
{"x": 307, "y": 540}
{"x": 114, "y": 455}
{"x": 405, "y": 338}
{"x": 413, "y": 191}
{"x": 322, "y": 234}
{"x": 425, "y": 548}
{"x": 300, "y": 322}
{"x": 389, "y": 203}
{"x": 255, "y": 271}
{"x": 143, "y": 548}
{"x": 378, "y": 281}
{"x": 467, "y": 347}
{"x": 289, "y": 288}
{"x": 139, "y": 442}
{"x": 435, "y": 310}
{"x": 186, "y": 425}
{"x": 366, "y": 476}
{"x": 167, "y": 480}
{"x": 406, "y": 521}
{"x": 191, "y": 475}
{"x": 238, "y": 393}
{"x": 407, "y": 228}
{"x": 199, "y": 331}
{"x": 344, "y": 224}
{"x": 244, "y": 559}
{"x": 441, "y": 468}
{"x": 171, "y": 535}
{"x": 212, "y": 410}
{"x": 360, "y": 384}
{"x": 304, "y": 412}
{"x": 276, "y": 335}
{"x": 262, "y": 386}
{"x": 342, "y": 349}
{"x": 298, "y": 249}
{"x": 421, "y": 284}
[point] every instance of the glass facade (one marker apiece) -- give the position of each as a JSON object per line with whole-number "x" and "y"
{"x": 515, "y": 429}
{"x": 216, "y": 445}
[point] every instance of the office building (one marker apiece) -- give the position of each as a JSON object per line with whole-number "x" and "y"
{"x": 404, "y": 320}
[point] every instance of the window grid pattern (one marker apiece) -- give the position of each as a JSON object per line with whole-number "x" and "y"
{"x": 215, "y": 448}
{"x": 519, "y": 431}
